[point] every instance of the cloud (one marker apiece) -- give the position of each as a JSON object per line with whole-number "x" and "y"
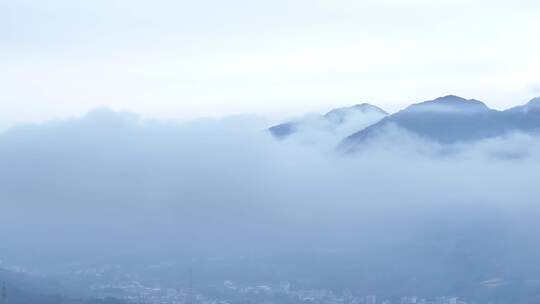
{"x": 112, "y": 184}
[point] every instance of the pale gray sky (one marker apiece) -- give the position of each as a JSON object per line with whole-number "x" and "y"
{"x": 190, "y": 59}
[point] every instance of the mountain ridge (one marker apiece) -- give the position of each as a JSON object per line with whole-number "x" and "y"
{"x": 452, "y": 119}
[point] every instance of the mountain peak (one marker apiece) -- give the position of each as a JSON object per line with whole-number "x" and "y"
{"x": 366, "y": 107}
{"x": 449, "y": 98}
{"x": 339, "y": 115}
{"x": 450, "y": 104}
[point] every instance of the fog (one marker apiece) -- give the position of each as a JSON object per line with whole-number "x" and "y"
{"x": 324, "y": 133}
{"x": 110, "y": 186}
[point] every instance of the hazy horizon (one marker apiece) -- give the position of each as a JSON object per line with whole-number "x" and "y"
{"x": 269, "y": 118}
{"x": 185, "y": 60}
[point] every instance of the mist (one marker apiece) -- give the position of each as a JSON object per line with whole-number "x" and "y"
{"x": 110, "y": 187}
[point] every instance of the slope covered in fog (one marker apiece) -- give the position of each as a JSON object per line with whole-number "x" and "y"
{"x": 330, "y": 128}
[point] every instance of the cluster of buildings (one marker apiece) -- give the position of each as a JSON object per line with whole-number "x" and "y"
{"x": 323, "y": 296}
{"x": 231, "y": 293}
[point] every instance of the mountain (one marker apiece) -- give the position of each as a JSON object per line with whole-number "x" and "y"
{"x": 342, "y": 115}
{"x": 452, "y": 119}
{"x": 526, "y": 118}
{"x": 532, "y": 107}
{"x": 337, "y": 122}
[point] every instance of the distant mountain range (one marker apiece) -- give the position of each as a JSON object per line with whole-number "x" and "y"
{"x": 445, "y": 120}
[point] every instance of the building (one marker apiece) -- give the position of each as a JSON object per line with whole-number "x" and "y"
{"x": 371, "y": 299}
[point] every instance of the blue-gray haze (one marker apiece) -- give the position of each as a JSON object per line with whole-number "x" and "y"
{"x": 404, "y": 214}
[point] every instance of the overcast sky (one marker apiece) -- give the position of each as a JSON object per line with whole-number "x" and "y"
{"x": 190, "y": 59}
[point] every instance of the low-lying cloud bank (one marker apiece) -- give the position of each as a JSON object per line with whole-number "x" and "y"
{"x": 111, "y": 185}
